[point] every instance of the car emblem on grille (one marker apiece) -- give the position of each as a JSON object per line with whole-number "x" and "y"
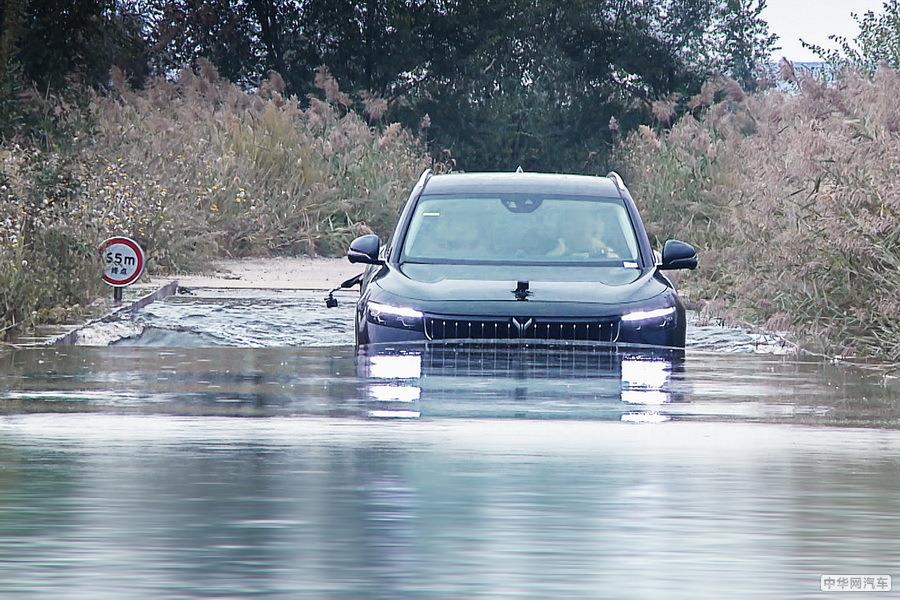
{"x": 522, "y": 326}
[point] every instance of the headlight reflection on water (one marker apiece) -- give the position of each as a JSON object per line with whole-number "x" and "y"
{"x": 395, "y": 393}
{"x": 644, "y": 417}
{"x": 644, "y": 381}
{"x": 559, "y": 381}
{"x": 394, "y": 367}
{"x": 645, "y": 397}
{"x": 398, "y": 366}
{"x": 645, "y": 374}
{"x": 393, "y": 414}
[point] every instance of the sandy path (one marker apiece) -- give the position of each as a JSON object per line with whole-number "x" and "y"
{"x": 281, "y": 273}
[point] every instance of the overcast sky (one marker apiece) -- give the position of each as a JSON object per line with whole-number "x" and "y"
{"x": 813, "y": 21}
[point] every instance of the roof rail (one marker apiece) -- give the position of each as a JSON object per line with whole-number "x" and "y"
{"x": 617, "y": 180}
{"x": 425, "y": 176}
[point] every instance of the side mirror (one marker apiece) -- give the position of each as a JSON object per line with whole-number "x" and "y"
{"x": 678, "y": 255}
{"x": 364, "y": 249}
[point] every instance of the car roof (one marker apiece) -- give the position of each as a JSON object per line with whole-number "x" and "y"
{"x": 537, "y": 183}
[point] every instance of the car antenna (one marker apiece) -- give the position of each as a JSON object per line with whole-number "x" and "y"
{"x": 519, "y": 169}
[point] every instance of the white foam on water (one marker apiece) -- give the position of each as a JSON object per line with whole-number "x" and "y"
{"x": 265, "y": 318}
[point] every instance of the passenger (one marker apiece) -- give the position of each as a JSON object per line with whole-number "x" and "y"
{"x": 586, "y": 239}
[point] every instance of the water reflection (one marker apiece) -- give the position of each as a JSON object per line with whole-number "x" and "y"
{"x": 158, "y": 506}
{"x": 570, "y": 380}
{"x": 432, "y": 381}
{"x": 461, "y": 472}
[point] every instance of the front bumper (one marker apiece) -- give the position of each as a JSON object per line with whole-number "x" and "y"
{"x": 667, "y": 331}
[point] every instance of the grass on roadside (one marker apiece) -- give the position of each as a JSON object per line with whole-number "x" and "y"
{"x": 193, "y": 169}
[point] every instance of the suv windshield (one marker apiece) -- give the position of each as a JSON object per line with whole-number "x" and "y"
{"x": 521, "y": 229}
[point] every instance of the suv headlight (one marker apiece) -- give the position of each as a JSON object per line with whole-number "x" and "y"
{"x": 401, "y": 317}
{"x": 657, "y": 317}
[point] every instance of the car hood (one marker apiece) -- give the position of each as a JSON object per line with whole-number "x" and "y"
{"x": 452, "y": 284}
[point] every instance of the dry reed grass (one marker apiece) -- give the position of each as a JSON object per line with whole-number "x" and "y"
{"x": 193, "y": 168}
{"x": 795, "y": 200}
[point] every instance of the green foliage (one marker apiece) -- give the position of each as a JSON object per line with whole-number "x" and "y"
{"x": 793, "y": 198}
{"x": 48, "y": 252}
{"x": 878, "y": 41}
{"x": 504, "y": 82}
{"x": 744, "y": 41}
{"x": 15, "y": 115}
{"x": 55, "y": 40}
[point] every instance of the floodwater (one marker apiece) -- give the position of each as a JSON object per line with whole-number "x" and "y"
{"x": 238, "y": 448}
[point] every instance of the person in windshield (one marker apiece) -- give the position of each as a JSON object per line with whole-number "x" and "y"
{"x": 587, "y": 238}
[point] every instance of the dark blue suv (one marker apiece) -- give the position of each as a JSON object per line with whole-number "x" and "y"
{"x": 520, "y": 256}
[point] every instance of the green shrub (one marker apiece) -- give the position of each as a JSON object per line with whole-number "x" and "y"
{"x": 48, "y": 254}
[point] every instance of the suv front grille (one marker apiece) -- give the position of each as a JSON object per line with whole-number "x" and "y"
{"x": 522, "y": 328}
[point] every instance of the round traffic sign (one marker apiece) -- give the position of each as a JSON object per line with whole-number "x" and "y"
{"x": 123, "y": 261}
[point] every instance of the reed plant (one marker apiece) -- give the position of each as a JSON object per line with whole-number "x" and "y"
{"x": 193, "y": 168}
{"x": 794, "y": 198}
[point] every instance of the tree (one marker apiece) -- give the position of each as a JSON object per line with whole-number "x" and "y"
{"x": 877, "y": 43}
{"x": 505, "y": 82}
{"x": 53, "y": 40}
{"x": 13, "y": 15}
{"x": 223, "y": 31}
{"x": 745, "y": 41}
{"x": 536, "y": 83}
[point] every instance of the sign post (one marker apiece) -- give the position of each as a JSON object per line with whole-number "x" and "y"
{"x": 123, "y": 263}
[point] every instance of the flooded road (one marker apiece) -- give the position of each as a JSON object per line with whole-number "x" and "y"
{"x": 433, "y": 472}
